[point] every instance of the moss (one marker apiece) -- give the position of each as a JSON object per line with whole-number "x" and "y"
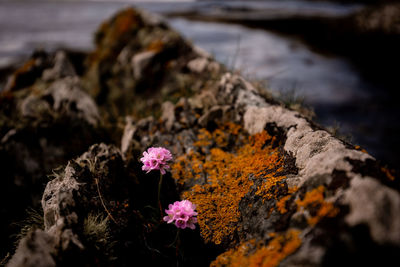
{"x": 314, "y": 202}
{"x": 97, "y": 234}
{"x": 228, "y": 175}
{"x": 33, "y": 220}
{"x": 95, "y": 229}
{"x": 252, "y": 253}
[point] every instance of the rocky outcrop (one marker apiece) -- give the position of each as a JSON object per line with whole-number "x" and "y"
{"x": 135, "y": 75}
{"x": 271, "y": 187}
{"x": 42, "y": 126}
{"x": 262, "y": 175}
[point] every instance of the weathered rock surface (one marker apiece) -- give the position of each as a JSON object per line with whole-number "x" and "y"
{"x": 307, "y": 194}
{"x": 135, "y": 75}
{"x": 42, "y": 126}
{"x": 271, "y": 187}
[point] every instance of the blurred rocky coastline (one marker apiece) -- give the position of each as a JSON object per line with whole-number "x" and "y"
{"x": 368, "y": 35}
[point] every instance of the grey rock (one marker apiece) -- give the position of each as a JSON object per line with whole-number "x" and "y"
{"x": 62, "y": 68}
{"x": 375, "y": 205}
{"x": 198, "y": 64}
{"x": 127, "y": 136}
{"x": 212, "y": 114}
{"x": 66, "y": 201}
{"x": 168, "y": 114}
{"x": 63, "y": 96}
{"x": 35, "y": 250}
{"x": 140, "y": 62}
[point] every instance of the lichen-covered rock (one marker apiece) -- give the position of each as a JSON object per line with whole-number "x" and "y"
{"x": 139, "y": 62}
{"x": 271, "y": 187}
{"x": 80, "y": 187}
{"x": 99, "y": 182}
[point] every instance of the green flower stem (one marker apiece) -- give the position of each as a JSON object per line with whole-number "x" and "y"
{"x": 175, "y": 239}
{"x": 159, "y": 193}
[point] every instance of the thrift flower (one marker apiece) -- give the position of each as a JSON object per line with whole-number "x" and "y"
{"x": 183, "y": 213}
{"x": 156, "y": 158}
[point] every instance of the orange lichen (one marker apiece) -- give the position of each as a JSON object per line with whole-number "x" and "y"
{"x": 360, "y": 149}
{"x": 187, "y": 167}
{"x": 314, "y": 202}
{"x": 156, "y": 46}
{"x": 229, "y": 176}
{"x": 233, "y": 128}
{"x": 293, "y": 189}
{"x": 125, "y": 21}
{"x": 388, "y": 174}
{"x": 255, "y": 254}
{"x": 281, "y": 204}
{"x": 220, "y": 137}
{"x": 203, "y": 138}
{"x": 236, "y": 257}
{"x": 112, "y": 33}
{"x": 26, "y": 68}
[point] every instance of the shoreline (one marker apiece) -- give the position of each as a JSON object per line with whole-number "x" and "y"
{"x": 369, "y": 44}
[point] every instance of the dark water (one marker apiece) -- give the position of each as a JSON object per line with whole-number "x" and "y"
{"x": 339, "y": 95}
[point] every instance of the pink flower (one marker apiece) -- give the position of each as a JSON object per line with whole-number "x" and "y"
{"x": 156, "y": 158}
{"x": 183, "y": 213}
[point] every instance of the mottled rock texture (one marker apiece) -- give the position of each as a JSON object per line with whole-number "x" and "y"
{"x": 45, "y": 120}
{"x": 271, "y": 187}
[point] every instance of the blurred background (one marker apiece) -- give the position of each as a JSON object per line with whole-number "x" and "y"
{"x": 339, "y": 59}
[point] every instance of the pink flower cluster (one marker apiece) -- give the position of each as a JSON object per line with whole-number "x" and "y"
{"x": 156, "y": 158}
{"x": 182, "y": 212}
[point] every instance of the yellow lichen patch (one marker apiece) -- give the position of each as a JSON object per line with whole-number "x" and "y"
{"x": 251, "y": 254}
{"x": 229, "y": 176}
{"x": 314, "y": 201}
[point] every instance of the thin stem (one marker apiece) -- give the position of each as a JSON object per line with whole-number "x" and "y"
{"x": 178, "y": 243}
{"x": 176, "y": 238}
{"x": 102, "y": 202}
{"x": 159, "y": 193}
